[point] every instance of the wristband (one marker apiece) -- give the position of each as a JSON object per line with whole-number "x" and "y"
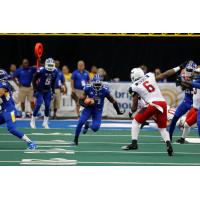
{"x": 176, "y": 69}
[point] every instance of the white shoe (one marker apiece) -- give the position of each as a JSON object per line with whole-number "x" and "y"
{"x": 32, "y": 124}
{"x": 45, "y": 125}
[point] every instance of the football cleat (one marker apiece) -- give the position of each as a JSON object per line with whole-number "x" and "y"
{"x": 32, "y": 145}
{"x": 86, "y": 127}
{"x": 181, "y": 140}
{"x": 75, "y": 142}
{"x": 132, "y": 146}
{"x": 169, "y": 148}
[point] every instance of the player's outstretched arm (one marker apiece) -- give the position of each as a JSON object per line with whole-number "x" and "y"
{"x": 115, "y": 104}
{"x": 170, "y": 72}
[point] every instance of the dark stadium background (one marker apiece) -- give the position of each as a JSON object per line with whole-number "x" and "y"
{"x": 117, "y": 55}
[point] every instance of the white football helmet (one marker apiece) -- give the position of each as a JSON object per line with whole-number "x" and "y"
{"x": 49, "y": 64}
{"x": 136, "y": 74}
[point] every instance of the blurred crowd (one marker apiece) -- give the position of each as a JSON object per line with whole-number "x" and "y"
{"x": 22, "y": 77}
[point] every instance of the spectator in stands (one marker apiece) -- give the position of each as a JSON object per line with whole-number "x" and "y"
{"x": 66, "y": 73}
{"x": 144, "y": 68}
{"x": 23, "y": 76}
{"x": 158, "y": 72}
{"x": 60, "y": 87}
{"x": 79, "y": 79}
{"x": 13, "y": 68}
{"x": 103, "y": 74}
{"x": 93, "y": 71}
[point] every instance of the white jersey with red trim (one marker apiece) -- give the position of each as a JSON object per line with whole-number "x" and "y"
{"x": 196, "y": 98}
{"x": 147, "y": 88}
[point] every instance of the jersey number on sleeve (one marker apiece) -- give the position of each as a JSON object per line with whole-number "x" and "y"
{"x": 148, "y": 86}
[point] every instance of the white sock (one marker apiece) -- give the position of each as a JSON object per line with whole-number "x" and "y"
{"x": 135, "y": 130}
{"x": 46, "y": 119}
{"x": 153, "y": 125}
{"x": 164, "y": 133}
{"x": 186, "y": 130}
{"x": 26, "y": 139}
{"x": 33, "y": 118}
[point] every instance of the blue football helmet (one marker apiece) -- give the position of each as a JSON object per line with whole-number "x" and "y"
{"x": 3, "y": 75}
{"x": 189, "y": 68}
{"x": 97, "y": 83}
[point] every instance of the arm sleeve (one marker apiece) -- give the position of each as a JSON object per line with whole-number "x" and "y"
{"x": 53, "y": 83}
{"x": 16, "y": 74}
{"x": 62, "y": 78}
{"x": 73, "y": 76}
{"x": 196, "y": 85}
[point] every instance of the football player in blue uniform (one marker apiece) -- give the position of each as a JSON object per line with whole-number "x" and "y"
{"x": 194, "y": 83}
{"x": 96, "y": 91}
{"x": 185, "y": 106}
{"x": 7, "y": 110}
{"x": 44, "y": 90}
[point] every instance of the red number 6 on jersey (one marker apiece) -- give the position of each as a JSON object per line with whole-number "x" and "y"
{"x": 148, "y": 86}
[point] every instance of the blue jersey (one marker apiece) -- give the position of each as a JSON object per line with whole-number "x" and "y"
{"x": 60, "y": 79}
{"x": 45, "y": 80}
{"x": 80, "y": 79}
{"x": 6, "y": 101}
{"x": 98, "y": 96}
{"x": 188, "y": 96}
{"x": 25, "y": 75}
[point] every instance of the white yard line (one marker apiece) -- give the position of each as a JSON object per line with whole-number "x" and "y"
{"x": 65, "y": 151}
{"x": 141, "y": 163}
{"x": 62, "y": 142}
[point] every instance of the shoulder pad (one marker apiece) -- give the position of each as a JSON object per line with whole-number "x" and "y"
{"x": 40, "y": 69}
{"x": 88, "y": 85}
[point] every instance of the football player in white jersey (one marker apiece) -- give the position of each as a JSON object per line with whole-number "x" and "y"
{"x": 191, "y": 117}
{"x": 146, "y": 87}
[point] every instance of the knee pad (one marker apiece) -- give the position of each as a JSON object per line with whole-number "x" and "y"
{"x": 95, "y": 127}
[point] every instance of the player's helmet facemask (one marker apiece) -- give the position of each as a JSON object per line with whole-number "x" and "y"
{"x": 3, "y": 75}
{"x": 189, "y": 68}
{"x": 50, "y": 64}
{"x": 97, "y": 83}
{"x": 136, "y": 74}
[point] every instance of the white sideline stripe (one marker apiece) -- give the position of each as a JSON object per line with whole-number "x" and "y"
{"x": 65, "y": 151}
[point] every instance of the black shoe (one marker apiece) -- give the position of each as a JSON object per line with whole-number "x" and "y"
{"x": 169, "y": 148}
{"x": 132, "y": 146}
{"x": 75, "y": 141}
{"x": 86, "y": 127}
{"x": 144, "y": 124}
{"x": 181, "y": 140}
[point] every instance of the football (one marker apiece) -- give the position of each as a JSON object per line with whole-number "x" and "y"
{"x": 89, "y": 101}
